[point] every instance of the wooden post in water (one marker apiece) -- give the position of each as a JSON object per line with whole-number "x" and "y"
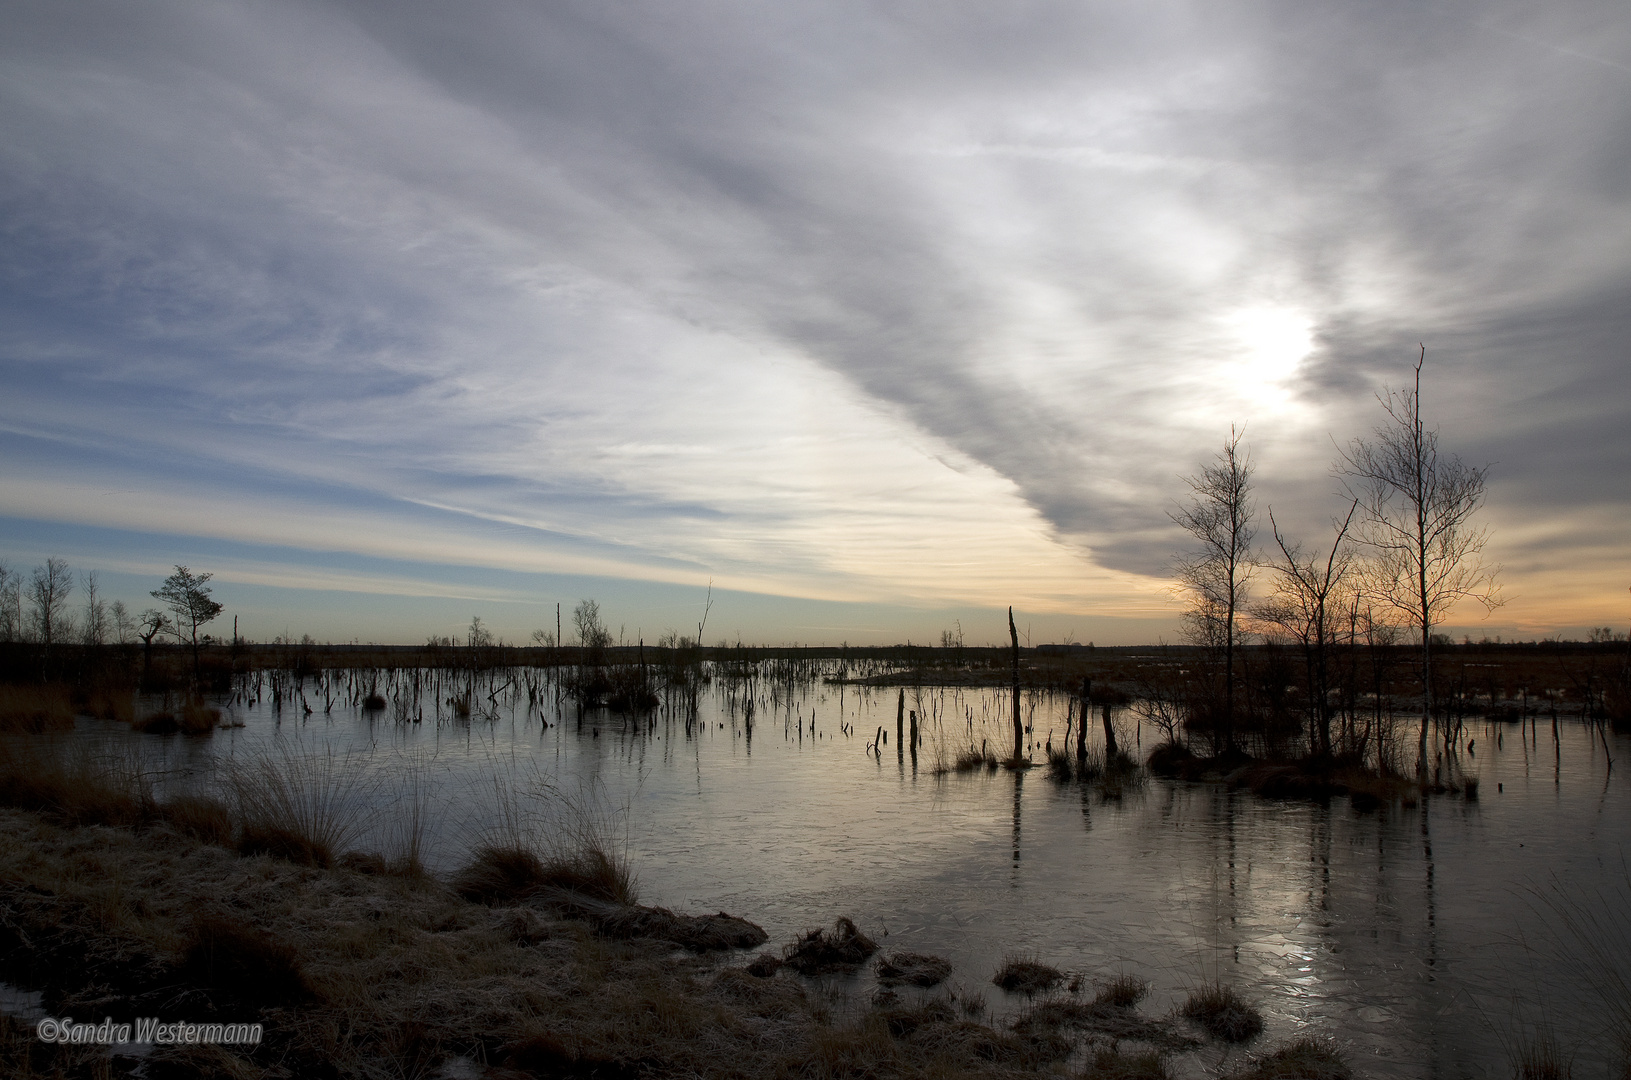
{"x": 1109, "y": 737}
{"x": 1081, "y": 729}
{"x": 1019, "y": 727}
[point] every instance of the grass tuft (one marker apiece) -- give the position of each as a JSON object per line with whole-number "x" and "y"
{"x": 1113, "y": 1064}
{"x": 914, "y": 969}
{"x": 1541, "y": 1058}
{"x": 1019, "y": 975}
{"x": 1122, "y": 992}
{"x": 306, "y": 808}
{"x": 1223, "y": 1013}
{"x": 842, "y": 948}
{"x": 1305, "y": 1059}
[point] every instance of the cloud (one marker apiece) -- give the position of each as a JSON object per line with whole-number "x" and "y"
{"x": 833, "y": 298}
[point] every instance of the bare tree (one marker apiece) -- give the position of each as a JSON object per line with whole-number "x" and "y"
{"x": 1216, "y": 575}
{"x": 11, "y": 605}
{"x": 1305, "y": 605}
{"x": 48, "y": 592}
{"x": 124, "y": 627}
{"x": 153, "y": 623}
{"x": 188, "y": 596}
{"x": 592, "y": 633}
{"x": 95, "y": 629}
{"x": 478, "y": 636}
{"x": 1418, "y": 507}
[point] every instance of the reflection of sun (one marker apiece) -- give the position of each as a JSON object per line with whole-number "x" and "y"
{"x": 1271, "y": 344}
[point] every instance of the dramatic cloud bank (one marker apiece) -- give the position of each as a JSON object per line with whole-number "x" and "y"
{"x": 915, "y": 304}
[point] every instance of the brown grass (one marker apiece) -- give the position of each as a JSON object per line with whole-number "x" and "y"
{"x": 1223, "y": 1013}
{"x": 35, "y": 709}
{"x": 67, "y": 780}
{"x": 1019, "y": 975}
{"x": 225, "y": 953}
{"x": 1114, "y": 1064}
{"x": 1541, "y": 1058}
{"x": 306, "y": 808}
{"x": 1305, "y": 1059}
{"x": 842, "y": 948}
{"x": 113, "y": 703}
{"x": 1122, "y": 992}
{"x": 914, "y": 969}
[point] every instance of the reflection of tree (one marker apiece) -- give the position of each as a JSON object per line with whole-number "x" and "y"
{"x": 1019, "y": 785}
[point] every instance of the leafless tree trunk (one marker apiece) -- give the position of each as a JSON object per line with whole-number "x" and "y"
{"x": 1019, "y": 726}
{"x": 1217, "y": 573}
{"x": 1418, "y": 512}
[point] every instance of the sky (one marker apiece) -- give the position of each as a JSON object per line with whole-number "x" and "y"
{"x": 877, "y": 317}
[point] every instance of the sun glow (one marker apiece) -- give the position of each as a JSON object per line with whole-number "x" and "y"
{"x": 1271, "y": 345}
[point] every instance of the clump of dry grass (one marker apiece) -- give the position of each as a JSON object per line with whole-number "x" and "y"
{"x": 306, "y": 808}
{"x": 1223, "y": 1013}
{"x": 842, "y": 948}
{"x": 35, "y": 709}
{"x": 112, "y": 703}
{"x": 1305, "y": 1059}
{"x": 1122, "y": 992}
{"x": 198, "y": 718}
{"x": 202, "y": 817}
{"x": 915, "y": 969}
{"x": 975, "y": 758}
{"x": 1022, "y": 975}
{"x": 539, "y": 839}
{"x": 1539, "y": 1057}
{"x": 1111, "y": 1063}
{"x": 511, "y": 875}
{"x": 72, "y": 783}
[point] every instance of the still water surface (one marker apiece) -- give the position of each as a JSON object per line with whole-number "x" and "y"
{"x": 1424, "y": 941}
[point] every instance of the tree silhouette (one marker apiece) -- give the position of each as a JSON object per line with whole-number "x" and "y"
{"x": 188, "y": 597}
{"x": 1217, "y": 573}
{"x": 1417, "y": 511}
